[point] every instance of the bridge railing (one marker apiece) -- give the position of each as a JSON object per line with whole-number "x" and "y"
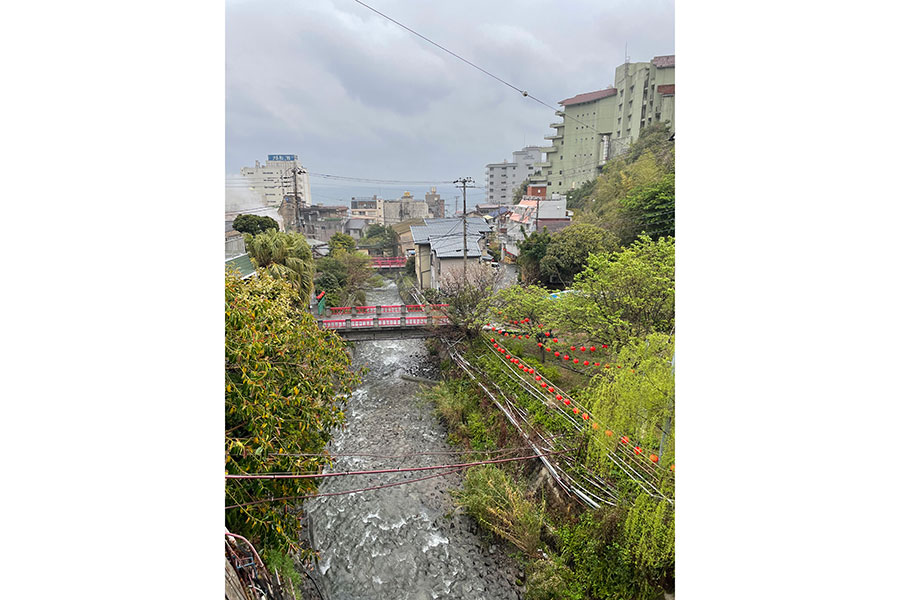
{"x": 376, "y": 322}
{"x": 388, "y": 261}
{"x": 384, "y": 309}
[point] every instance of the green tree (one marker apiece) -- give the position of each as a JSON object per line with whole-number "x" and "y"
{"x": 342, "y": 240}
{"x": 637, "y": 400}
{"x": 531, "y": 250}
{"x": 286, "y": 256}
{"x": 381, "y": 237}
{"x": 651, "y": 207}
{"x": 577, "y": 198}
{"x": 625, "y": 294}
{"x": 520, "y": 302}
{"x": 344, "y": 276}
{"x": 519, "y": 192}
{"x": 469, "y": 300}
{"x": 285, "y": 378}
{"x": 568, "y": 250}
{"x": 254, "y": 224}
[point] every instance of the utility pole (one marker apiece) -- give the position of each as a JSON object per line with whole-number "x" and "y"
{"x": 464, "y": 181}
{"x": 295, "y": 170}
{"x": 296, "y": 200}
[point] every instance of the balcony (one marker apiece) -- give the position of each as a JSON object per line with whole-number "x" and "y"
{"x": 557, "y": 125}
{"x": 537, "y": 178}
{"x": 547, "y": 149}
{"x": 541, "y": 165}
{"x": 557, "y": 136}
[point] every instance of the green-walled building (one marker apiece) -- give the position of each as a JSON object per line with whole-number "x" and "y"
{"x": 597, "y": 126}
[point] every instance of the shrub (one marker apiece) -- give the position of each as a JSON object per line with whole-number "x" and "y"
{"x": 499, "y": 505}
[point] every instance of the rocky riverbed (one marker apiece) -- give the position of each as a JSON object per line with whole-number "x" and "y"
{"x": 407, "y": 541}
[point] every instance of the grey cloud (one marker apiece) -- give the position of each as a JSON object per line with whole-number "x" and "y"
{"x": 354, "y": 94}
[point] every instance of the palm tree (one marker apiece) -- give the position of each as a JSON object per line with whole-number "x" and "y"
{"x": 286, "y": 256}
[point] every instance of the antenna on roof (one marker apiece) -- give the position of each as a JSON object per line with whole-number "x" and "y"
{"x": 627, "y": 58}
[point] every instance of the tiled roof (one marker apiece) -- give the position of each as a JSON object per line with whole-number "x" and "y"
{"x": 588, "y": 97}
{"x": 661, "y": 62}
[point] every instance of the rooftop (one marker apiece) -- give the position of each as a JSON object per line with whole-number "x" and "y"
{"x": 242, "y": 264}
{"x": 434, "y": 229}
{"x": 589, "y": 96}
{"x": 661, "y": 62}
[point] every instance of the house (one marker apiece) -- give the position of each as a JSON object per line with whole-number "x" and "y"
{"x": 407, "y": 247}
{"x": 534, "y": 213}
{"x": 355, "y": 228}
{"x": 440, "y": 247}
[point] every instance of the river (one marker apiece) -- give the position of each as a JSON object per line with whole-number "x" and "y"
{"x": 407, "y": 541}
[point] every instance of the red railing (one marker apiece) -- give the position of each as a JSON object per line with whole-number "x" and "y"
{"x": 366, "y": 310}
{"x": 340, "y": 310}
{"x": 362, "y": 323}
{"x": 389, "y": 321}
{"x": 388, "y": 261}
{"x": 333, "y": 323}
{"x": 415, "y": 308}
{"x": 391, "y": 308}
{"x": 416, "y": 320}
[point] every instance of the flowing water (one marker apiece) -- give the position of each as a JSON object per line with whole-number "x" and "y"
{"x": 402, "y": 542}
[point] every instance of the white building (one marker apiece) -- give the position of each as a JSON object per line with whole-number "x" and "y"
{"x": 275, "y": 180}
{"x": 502, "y": 179}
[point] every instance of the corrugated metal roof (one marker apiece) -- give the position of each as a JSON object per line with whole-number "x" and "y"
{"x": 242, "y": 264}
{"x": 452, "y": 247}
{"x": 588, "y": 97}
{"x": 435, "y": 230}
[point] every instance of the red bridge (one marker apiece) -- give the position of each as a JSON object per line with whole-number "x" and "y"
{"x": 388, "y": 262}
{"x": 385, "y": 321}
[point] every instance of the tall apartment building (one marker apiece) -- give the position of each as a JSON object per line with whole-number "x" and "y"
{"x": 581, "y": 142}
{"x": 597, "y": 126}
{"x": 646, "y": 95}
{"x": 502, "y": 179}
{"x": 275, "y": 180}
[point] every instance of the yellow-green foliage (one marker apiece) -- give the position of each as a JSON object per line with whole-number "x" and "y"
{"x": 641, "y": 404}
{"x": 650, "y": 535}
{"x": 501, "y": 506}
{"x": 284, "y": 380}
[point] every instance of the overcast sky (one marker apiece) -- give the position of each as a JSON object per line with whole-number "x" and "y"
{"x": 355, "y": 95}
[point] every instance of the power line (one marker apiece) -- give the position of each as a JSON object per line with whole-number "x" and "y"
{"x": 471, "y": 64}
{"x": 381, "y": 471}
